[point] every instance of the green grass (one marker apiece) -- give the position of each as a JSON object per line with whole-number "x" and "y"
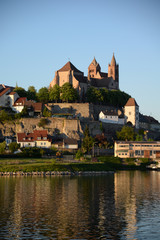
{"x": 40, "y": 164}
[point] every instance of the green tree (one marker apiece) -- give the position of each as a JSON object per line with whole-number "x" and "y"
{"x": 31, "y": 93}
{"x": 4, "y": 116}
{"x": 43, "y": 95}
{"x": 126, "y": 134}
{"x": 87, "y": 144}
{"x": 2, "y": 147}
{"x": 79, "y": 154}
{"x": 21, "y": 91}
{"x": 43, "y": 122}
{"x": 46, "y": 113}
{"x": 86, "y": 131}
{"x": 54, "y": 93}
{"x": 68, "y": 93}
{"x": 13, "y": 146}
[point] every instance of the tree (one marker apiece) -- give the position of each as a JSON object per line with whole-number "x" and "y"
{"x": 13, "y": 146}
{"x": 21, "y": 91}
{"x": 4, "y": 116}
{"x": 43, "y": 122}
{"x": 43, "y": 95}
{"x": 68, "y": 93}
{"x": 46, "y": 113}
{"x": 2, "y": 147}
{"x": 31, "y": 93}
{"x": 54, "y": 93}
{"x": 87, "y": 144}
{"x": 126, "y": 134}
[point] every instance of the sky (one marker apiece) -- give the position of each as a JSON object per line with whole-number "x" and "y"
{"x": 38, "y": 37}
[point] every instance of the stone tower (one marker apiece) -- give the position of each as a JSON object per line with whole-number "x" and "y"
{"x": 93, "y": 69}
{"x": 113, "y": 71}
{"x": 131, "y": 111}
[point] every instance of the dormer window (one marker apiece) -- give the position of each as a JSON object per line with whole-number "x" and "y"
{"x": 24, "y": 138}
{"x": 45, "y": 138}
{"x": 38, "y": 138}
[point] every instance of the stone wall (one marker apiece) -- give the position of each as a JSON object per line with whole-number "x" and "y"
{"x": 81, "y": 110}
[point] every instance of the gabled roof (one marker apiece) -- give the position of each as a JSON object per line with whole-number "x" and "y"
{"x": 20, "y": 100}
{"x": 68, "y": 67}
{"x": 70, "y": 141}
{"x": 36, "y": 106}
{"x": 131, "y": 102}
{"x": 37, "y": 135}
{"x": 112, "y": 112}
{"x": 12, "y": 93}
{"x": 5, "y": 90}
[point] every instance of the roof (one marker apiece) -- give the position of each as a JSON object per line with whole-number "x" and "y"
{"x": 112, "y": 112}
{"x": 36, "y": 106}
{"x": 20, "y": 100}
{"x": 12, "y": 93}
{"x": 113, "y": 61}
{"x": 70, "y": 141}
{"x": 131, "y": 102}
{"x": 5, "y": 90}
{"x": 68, "y": 67}
{"x": 140, "y": 142}
{"x": 31, "y": 137}
{"x": 147, "y": 119}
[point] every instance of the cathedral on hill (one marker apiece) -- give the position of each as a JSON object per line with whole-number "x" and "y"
{"x": 69, "y": 73}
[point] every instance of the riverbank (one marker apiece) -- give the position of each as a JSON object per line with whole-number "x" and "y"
{"x": 40, "y": 166}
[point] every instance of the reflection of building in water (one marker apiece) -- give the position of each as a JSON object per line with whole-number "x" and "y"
{"x": 132, "y": 190}
{"x": 125, "y": 201}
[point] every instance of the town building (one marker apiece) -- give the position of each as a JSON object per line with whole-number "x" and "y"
{"x": 131, "y": 112}
{"x": 70, "y": 74}
{"x": 112, "y": 116}
{"x": 142, "y": 149}
{"x": 38, "y": 138}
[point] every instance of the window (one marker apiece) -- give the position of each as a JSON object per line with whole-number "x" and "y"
{"x": 129, "y": 113}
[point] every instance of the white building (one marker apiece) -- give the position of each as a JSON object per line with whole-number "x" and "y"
{"x": 111, "y": 117}
{"x": 131, "y": 111}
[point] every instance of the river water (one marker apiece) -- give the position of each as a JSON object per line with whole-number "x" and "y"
{"x": 124, "y": 205}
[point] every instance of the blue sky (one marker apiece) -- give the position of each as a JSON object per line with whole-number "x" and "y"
{"x": 37, "y": 37}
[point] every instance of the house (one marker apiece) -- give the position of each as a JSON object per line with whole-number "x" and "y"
{"x": 111, "y": 116}
{"x": 39, "y": 138}
{"x": 141, "y": 149}
{"x": 34, "y": 108}
{"x": 19, "y": 104}
{"x": 70, "y": 143}
{"x": 67, "y": 144}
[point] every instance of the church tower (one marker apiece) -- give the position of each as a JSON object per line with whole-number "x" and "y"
{"x": 93, "y": 69}
{"x": 113, "y": 71}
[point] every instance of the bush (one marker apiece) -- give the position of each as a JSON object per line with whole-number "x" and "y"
{"x": 13, "y": 146}
{"x": 43, "y": 122}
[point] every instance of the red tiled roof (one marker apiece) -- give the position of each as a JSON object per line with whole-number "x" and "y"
{"x": 37, "y": 106}
{"x": 23, "y": 137}
{"x": 5, "y": 90}
{"x": 69, "y": 66}
{"x": 31, "y": 137}
{"x": 131, "y": 102}
{"x": 12, "y": 93}
{"x": 20, "y": 100}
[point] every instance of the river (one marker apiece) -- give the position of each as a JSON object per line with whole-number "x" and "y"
{"x": 124, "y": 205}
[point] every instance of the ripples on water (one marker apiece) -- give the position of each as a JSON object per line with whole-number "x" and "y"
{"x": 125, "y": 205}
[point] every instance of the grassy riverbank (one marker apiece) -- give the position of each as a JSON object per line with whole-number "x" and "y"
{"x": 40, "y": 164}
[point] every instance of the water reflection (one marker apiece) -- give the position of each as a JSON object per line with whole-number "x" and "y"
{"x": 125, "y": 205}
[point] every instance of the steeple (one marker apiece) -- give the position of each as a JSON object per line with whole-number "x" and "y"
{"x": 94, "y": 62}
{"x": 113, "y": 70}
{"x": 113, "y": 61}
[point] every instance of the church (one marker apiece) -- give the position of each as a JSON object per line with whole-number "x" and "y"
{"x": 69, "y": 73}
